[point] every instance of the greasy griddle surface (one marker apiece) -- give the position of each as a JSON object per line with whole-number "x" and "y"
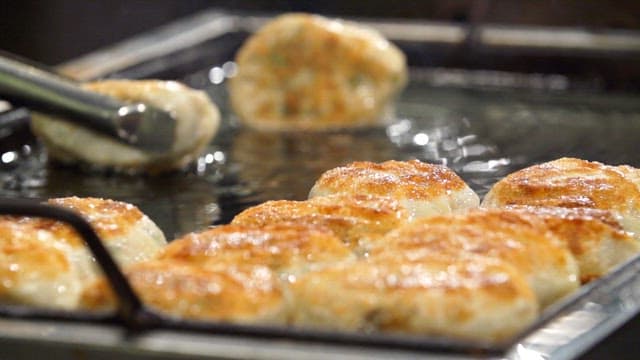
{"x": 483, "y": 133}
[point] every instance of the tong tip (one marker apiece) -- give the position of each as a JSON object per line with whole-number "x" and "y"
{"x": 146, "y": 127}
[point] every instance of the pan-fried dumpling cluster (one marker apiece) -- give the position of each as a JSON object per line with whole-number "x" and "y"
{"x": 363, "y": 254}
{"x": 593, "y": 208}
{"x": 320, "y": 252}
{"x": 307, "y": 72}
{"x": 228, "y": 273}
{"x": 197, "y": 120}
{"x": 45, "y": 263}
{"x": 394, "y": 247}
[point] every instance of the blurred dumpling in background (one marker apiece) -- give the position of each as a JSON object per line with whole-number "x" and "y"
{"x": 424, "y": 189}
{"x": 307, "y": 72}
{"x": 44, "y": 262}
{"x": 197, "y": 121}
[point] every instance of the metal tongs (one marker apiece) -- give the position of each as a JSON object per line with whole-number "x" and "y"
{"x": 135, "y": 124}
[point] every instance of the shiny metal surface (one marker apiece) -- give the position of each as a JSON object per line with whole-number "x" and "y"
{"x": 482, "y": 124}
{"x": 136, "y": 124}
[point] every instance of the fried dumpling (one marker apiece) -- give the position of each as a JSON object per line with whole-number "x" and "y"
{"x": 250, "y": 294}
{"x": 307, "y": 72}
{"x": 358, "y": 220}
{"x": 594, "y": 237}
{"x": 197, "y": 120}
{"x": 286, "y": 248}
{"x": 35, "y": 267}
{"x": 129, "y": 235}
{"x": 228, "y": 273}
{"x": 481, "y": 300}
{"x": 573, "y": 183}
{"x": 45, "y": 263}
{"x": 424, "y": 189}
{"x": 521, "y": 240}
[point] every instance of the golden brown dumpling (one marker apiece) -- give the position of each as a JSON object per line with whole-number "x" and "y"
{"x": 481, "y": 299}
{"x": 45, "y": 263}
{"x": 573, "y": 183}
{"x": 424, "y": 189}
{"x": 594, "y": 237}
{"x": 130, "y": 236}
{"x": 523, "y": 241}
{"x": 236, "y": 294}
{"x": 286, "y": 248}
{"x": 358, "y": 220}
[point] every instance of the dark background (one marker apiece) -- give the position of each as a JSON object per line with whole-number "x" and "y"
{"x": 57, "y": 30}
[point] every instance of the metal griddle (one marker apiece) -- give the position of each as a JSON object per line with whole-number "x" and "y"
{"x": 483, "y": 124}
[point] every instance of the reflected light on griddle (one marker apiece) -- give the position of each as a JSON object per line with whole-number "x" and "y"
{"x": 522, "y": 353}
{"x": 9, "y": 157}
{"x": 486, "y": 166}
{"x": 421, "y": 139}
{"x": 216, "y": 75}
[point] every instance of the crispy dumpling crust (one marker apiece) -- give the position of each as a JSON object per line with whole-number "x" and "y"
{"x": 424, "y": 189}
{"x": 481, "y": 300}
{"x": 44, "y": 262}
{"x": 283, "y": 247}
{"x": 35, "y": 266}
{"x": 129, "y": 235}
{"x": 238, "y": 294}
{"x": 358, "y": 220}
{"x": 593, "y": 236}
{"x": 572, "y": 183}
{"x": 518, "y": 239}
